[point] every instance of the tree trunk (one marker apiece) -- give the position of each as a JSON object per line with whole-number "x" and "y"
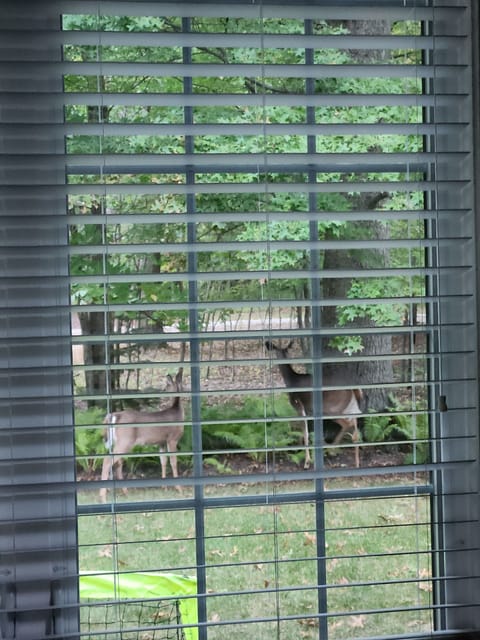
{"x": 373, "y": 370}
{"x": 91, "y": 324}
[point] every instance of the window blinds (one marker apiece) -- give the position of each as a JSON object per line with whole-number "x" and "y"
{"x": 38, "y": 504}
{"x": 238, "y": 174}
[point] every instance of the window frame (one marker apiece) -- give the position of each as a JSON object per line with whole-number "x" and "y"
{"x": 39, "y": 401}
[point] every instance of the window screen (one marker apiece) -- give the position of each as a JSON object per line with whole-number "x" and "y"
{"x": 271, "y": 284}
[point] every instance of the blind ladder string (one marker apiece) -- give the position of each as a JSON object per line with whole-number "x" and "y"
{"x": 105, "y": 269}
{"x": 269, "y": 472}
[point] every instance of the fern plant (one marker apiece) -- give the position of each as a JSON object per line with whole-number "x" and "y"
{"x": 253, "y": 427}
{"x": 89, "y": 445}
{"x": 410, "y": 427}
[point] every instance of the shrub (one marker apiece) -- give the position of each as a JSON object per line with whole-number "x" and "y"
{"x": 410, "y": 427}
{"x": 89, "y": 445}
{"x": 251, "y": 426}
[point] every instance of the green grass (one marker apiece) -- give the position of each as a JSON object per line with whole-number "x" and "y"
{"x": 274, "y": 551}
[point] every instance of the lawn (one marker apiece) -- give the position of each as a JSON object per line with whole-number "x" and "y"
{"x": 264, "y": 562}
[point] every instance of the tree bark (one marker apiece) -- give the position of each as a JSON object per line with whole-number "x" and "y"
{"x": 374, "y": 370}
{"x": 92, "y": 324}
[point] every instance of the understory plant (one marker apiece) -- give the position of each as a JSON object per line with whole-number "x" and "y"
{"x": 411, "y": 429}
{"x": 89, "y": 445}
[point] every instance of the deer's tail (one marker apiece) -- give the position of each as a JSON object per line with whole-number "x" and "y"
{"x": 109, "y": 432}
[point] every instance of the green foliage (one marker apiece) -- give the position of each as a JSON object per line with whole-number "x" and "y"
{"x": 416, "y": 428}
{"x": 410, "y": 427}
{"x": 346, "y": 344}
{"x": 283, "y": 241}
{"x": 89, "y": 444}
{"x": 378, "y": 428}
{"x": 218, "y": 465}
{"x": 250, "y": 426}
{"x": 278, "y": 231}
{"x": 383, "y": 314}
{"x": 275, "y": 232}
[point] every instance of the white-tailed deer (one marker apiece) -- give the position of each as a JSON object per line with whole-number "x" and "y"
{"x": 335, "y": 402}
{"x": 129, "y": 428}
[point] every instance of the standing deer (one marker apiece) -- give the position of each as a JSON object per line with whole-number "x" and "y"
{"x": 135, "y": 429}
{"x": 336, "y": 402}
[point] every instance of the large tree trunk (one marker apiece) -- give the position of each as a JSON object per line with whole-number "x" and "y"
{"x": 374, "y": 370}
{"x": 94, "y": 355}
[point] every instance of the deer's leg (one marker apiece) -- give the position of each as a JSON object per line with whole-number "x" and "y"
{"x": 298, "y": 405}
{"x": 355, "y": 440}
{"x": 118, "y": 465}
{"x": 106, "y": 469}
{"x": 349, "y": 424}
{"x": 308, "y": 460}
{"x": 172, "y": 448}
{"x": 109, "y": 436}
{"x": 110, "y": 463}
{"x": 340, "y": 435}
{"x": 163, "y": 461}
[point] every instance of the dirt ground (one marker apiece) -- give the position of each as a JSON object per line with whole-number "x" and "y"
{"x": 369, "y": 457}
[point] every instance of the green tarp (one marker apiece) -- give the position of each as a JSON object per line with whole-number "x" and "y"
{"x": 124, "y": 586}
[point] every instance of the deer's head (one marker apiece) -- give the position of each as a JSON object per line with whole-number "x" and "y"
{"x": 175, "y": 384}
{"x": 281, "y": 352}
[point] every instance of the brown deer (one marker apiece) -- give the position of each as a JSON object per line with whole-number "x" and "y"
{"x": 135, "y": 429}
{"x": 335, "y": 402}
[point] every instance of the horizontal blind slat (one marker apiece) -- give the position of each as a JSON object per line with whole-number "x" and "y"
{"x": 213, "y": 70}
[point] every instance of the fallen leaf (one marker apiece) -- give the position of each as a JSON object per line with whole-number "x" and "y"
{"x": 309, "y": 539}
{"x": 309, "y": 622}
{"x": 161, "y": 615}
{"x": 357, "y": 622}
{"x": 391, "y": 518}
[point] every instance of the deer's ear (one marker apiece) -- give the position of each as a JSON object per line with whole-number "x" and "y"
{"x": 270, "y": 346}
{"x": 169, "y": 378}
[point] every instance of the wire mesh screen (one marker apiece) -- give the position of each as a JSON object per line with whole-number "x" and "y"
{"x": 137, "y": 606}
{"x": 267, "y": 265}
{"x": 131, "y": 621}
